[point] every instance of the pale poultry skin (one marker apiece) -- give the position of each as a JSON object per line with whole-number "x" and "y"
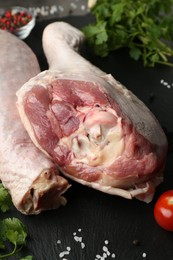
{"x": 31, "y": 177}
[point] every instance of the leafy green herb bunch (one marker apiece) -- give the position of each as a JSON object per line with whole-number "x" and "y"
{"x": 145, "y": 27}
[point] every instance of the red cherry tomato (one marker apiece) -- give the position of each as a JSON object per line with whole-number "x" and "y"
{"x": 163, "y": 210}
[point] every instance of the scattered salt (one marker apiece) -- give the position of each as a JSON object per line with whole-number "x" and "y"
{"x": 79, "y": 238}
{"x": 165, "y": 83}
{"x": 105, "y": 253}
{"x": 44, "y": 10}
{"x": 105, "y": 249}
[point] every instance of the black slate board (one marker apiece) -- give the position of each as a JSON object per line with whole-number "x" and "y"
{"x": 95, "y": 216}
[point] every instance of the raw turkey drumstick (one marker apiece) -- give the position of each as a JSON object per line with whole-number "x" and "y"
{"x": 31, "y": 178}
{"x": 98, "y": 132}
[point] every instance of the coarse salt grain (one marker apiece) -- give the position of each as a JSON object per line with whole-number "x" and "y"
{"x": 83, "y": 7}
{"x": 82, "y": 245}
{"x": 73, "y": 5}
{"x": 61, "y": 8}
{"x": 104, "y": 255}
{"x": 105, "y": 248}
{"x": 53, "y": 9}
{"x": 78, "y": 239}
{"x": 62, "y": 254}
{"x": 144, "y": 255}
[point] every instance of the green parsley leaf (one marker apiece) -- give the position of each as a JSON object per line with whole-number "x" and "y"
{"x": 15, "y": 231}
{"x": 5, "y": 199}
{"x": 117, "y": 13}
{"x": 2, "y": 236}
{"x": 29, "y": 257}
{"x": 101, "y": 37}
{"x": 142, "y": 26}
{"x": 135, "y": 53}
{"x": 12, "y": 230}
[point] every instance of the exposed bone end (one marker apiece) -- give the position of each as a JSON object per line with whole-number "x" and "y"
{"x": 45, "y": 193}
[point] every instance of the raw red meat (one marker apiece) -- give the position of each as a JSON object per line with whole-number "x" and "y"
{"x": 99, "y": 133}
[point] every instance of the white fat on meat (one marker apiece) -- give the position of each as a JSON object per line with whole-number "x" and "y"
{"x": 32, "y": 179}
{"x": 98, "y": 132}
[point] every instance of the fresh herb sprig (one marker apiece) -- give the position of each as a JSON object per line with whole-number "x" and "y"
{"x": 12, "y": 231}
{"x": 143, "y": 26}
{"x": 5, "y": 199}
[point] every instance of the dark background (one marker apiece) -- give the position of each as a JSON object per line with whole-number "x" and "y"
{"x": 104, "y": 217}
